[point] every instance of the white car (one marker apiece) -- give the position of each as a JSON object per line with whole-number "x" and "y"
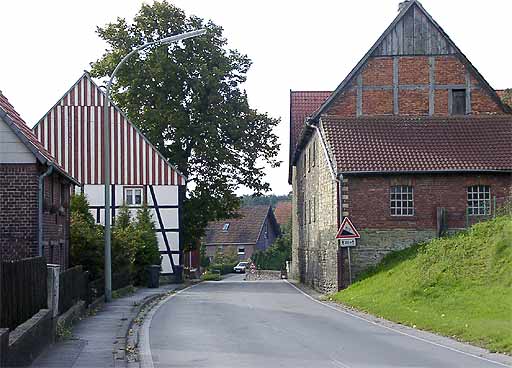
{"x": 240, "y": 267}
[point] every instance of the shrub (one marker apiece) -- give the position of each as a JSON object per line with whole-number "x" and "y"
{"x": 224, "y": 268}
{"x": 123, "y": 242}
{"x": 210, "y": 276}
{"x": 204, "y": 261}
{"x": 85, "y": 238}
{"x": 146, "y": 245}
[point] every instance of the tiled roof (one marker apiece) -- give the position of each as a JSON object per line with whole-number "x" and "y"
{"x": 283, "y": 212}
{"x": 302, "y": 105}
{"x": 415, "y": 144}
{"x": 243, "y": 230}
{"x": 27, "y": 136}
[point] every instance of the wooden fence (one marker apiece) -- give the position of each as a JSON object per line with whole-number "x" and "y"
{"x": 23, "y": 290}
{"x": 72, "y": 287}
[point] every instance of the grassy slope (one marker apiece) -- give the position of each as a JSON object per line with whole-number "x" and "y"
{"x": 460, "y": 286}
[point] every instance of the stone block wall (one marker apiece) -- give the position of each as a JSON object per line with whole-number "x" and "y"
{"x": 315, "y": 221}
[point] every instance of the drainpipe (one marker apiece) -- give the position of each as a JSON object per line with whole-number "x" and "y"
{"x": 40, "y": 209}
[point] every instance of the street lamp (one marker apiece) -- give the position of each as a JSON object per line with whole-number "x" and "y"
{"x": 106, "y": 158}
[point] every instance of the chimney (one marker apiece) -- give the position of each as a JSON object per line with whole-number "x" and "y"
{"x": 402, "y": 5}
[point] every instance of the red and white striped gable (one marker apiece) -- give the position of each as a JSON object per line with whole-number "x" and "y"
{"x": 72, "y": 131}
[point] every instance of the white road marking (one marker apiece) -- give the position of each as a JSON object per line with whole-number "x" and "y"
{"x": 146, "y": 359}
{"x": 397, "y": 331}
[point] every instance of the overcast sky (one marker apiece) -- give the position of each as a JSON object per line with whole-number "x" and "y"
{"x": 298, "y": 45}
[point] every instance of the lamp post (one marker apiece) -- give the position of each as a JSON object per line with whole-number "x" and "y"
{"x": 106, "y": 158}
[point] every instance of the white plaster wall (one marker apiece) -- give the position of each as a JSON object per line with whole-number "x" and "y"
{"x": 12, "y": 150}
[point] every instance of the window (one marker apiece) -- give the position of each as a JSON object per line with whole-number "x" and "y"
{"x": 458, "y": 101}
{"x": 309, "y": 166}
{"x": 479, "y": 200}
{"x": 401, "y": 200}
{"x": 225, "y": 227}
{"x": 313, "y": 158}
{"x": 133, "y": 196}
{"x": 241, "y": 251}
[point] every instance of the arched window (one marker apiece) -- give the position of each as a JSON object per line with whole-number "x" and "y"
{"x": 402, "y": 200}
{"x": 479, "y": 200}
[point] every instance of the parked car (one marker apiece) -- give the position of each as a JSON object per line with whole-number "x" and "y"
{"x": 240, "y": 267}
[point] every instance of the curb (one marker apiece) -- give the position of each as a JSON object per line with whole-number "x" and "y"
{"x": 134, "y": 343}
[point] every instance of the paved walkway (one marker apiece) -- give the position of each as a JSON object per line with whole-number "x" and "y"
{"x": 93, "y": 338}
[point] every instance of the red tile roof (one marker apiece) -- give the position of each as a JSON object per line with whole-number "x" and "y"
{"x": 283, "y": 212}
{"x": 302, "y": 105}
{"x": 28, "y": 137}
{"x": 243, "y": 230}
{"x": 415, "y": 144}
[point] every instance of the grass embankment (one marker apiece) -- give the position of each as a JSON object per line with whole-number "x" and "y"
{"x": 459, "y": 286}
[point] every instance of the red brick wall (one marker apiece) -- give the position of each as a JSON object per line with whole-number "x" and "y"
{"x": 449, "y": 70}
{"x": 412, "y": 70}
{"x": 377, "y": 102}
{"x": 345, "y": 105}
{"x": 19, "y": 215}
{"x": 378, "y": 72}
{"x": 413, "y": 102}
{"x": 369, "y": 199}
{"x": 18, "y": 211}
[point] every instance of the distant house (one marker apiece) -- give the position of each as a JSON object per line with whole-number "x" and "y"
{"x": 34, "y": 194}
{"x": 255, "y": 229}
{"x": 283, "y": 212}
{"x": 72, "y": 130}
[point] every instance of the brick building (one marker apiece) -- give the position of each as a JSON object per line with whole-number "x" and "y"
{"x": 34, "y": 194}
{"x": 255, "y": 229}
{"x": 412, "y": 144}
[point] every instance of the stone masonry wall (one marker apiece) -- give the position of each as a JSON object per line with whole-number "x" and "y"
{"x": 314, "y": 249}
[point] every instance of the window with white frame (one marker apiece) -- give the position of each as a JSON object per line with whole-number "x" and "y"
{"x": 479, "y": 200}
{"x": 402, "y": 200}
{"x": 133, "y": 196}
{"x": 241, "y": 251}
{"x": 225, "y": 227}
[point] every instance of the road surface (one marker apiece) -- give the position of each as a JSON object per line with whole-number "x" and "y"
{"x": 271, "y": 324}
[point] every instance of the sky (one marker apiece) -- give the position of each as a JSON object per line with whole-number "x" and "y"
{"x": 294, "y": 45}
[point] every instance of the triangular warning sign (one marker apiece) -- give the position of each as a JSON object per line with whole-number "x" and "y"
{"x": 347, "y": 230}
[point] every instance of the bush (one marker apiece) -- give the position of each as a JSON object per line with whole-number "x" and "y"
{"x": 209, "y": 276}
{"x": 146, "y": 245}
{"x": 204, "y": 261}
{"x": 123, "y": 242}
{"x": 224, "y": 268}
{"x": 85, "y": 238}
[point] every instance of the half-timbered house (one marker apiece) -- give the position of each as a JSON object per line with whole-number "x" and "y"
{"x": 414, "y": 143}
{"x": 72, "y": 130}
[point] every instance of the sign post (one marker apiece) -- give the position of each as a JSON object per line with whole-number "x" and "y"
{"x": 348, "y": 235}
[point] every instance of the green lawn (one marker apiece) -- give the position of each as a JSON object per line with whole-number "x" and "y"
{"x": 459, "y": 286}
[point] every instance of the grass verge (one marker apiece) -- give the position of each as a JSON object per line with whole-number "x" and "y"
{"x": 458, "y": 286}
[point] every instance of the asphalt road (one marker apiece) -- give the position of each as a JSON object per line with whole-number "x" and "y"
{"x": 271, "y": 324}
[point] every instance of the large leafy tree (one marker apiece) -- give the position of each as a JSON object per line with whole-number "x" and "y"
{"x": 188, "y": 100}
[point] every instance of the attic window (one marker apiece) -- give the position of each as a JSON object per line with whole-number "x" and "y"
{"x": 458, "y": 102}
{"x": 225, "y": 227}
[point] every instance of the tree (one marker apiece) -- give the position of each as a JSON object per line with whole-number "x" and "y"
{"x": 123, "y": 242}
{"x": 187, "y": 99}
{"x": 146, "y": 244}
{"x": 85, "y": 238}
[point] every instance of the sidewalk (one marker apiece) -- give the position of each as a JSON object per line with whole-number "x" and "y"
{"x": 94, "y": 338}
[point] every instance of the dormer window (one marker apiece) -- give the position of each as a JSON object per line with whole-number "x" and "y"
{"x": 225, "y": 227}
{"x": 458, "y": 102}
